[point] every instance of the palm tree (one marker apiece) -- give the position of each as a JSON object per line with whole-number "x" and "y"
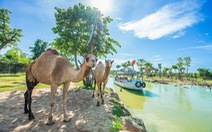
{"x": 148, "y": 68}
{"x": 175, "y": 69}
{"x": 187, "y": 63}
{"x": 140, "y": 63}
{"x": 180, "y": 67}
{"x": 165, "y": 69}
{"x": 117, "y": 67}
{"x": 159, "y": 67}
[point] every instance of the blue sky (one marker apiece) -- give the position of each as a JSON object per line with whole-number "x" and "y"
{"x": 157, "y": 31}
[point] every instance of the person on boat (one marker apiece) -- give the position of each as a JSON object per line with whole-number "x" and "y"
{"x": 131, "y": 79}
{"x": 117, "y": 78}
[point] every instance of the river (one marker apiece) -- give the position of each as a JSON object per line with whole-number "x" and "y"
{"x": 169, "y": 108}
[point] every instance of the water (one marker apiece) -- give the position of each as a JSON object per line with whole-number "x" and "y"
{"x": 167, "y": 108}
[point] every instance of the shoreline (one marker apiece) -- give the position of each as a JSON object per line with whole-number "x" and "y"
{"x": 177, "y": 82}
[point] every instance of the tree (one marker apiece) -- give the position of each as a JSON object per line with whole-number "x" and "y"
{"x": 8, "y": 36}
{"x": 117, "y": 67}
{"x": 165, "y": 70}
{"x": 204, "y": 73}
{"x": 140, "y": 63}
{"x": 175, "y": 69}
{"x": 187, "y": 62}
{"x": 160, "y": 67}
{"x": 39, "y": 47}
{"x": 148, "y": 68}
{"x": 82, "y": 30}
{"x": 16, "y": 55}
{"x": 124, "y": 65}
{"x": 180, "y": 67}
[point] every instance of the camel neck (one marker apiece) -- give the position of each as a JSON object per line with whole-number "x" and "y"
{"x": 77, "y": 76}
{"x": 106, "y": 73}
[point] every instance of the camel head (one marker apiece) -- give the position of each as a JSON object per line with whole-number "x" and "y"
{"x": 109, "y": 63}
{"x": 90, "y": 60}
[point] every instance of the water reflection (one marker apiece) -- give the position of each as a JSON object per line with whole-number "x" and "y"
{"x": 166, "y": 108}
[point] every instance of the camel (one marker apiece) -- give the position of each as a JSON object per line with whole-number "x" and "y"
{"x": 53, "y": 69}
{"x": 101, "y": 73}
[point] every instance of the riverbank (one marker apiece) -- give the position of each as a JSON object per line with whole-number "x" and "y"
{"x": 85, "y": 115}
{"x": 178, "y": 82}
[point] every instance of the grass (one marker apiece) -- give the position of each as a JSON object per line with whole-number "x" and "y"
{"x": 116, "y": 125}
{"x": 80, "y": 84}
{"x": 9, "y": 82}
{"x": 117, "y": 110}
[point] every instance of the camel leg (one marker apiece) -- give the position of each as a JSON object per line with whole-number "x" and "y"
{"x": 99, "y": 93}
{"x": 53, "y": 91}
{"x": 28, "y": 98}
{"x": 94, "y": 88}
{"x": 26, "y": 111}
{"x": 103, "y": 92}
{"x": 65, "y": 90}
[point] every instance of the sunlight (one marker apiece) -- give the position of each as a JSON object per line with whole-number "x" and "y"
{"x": 103, "y": 5}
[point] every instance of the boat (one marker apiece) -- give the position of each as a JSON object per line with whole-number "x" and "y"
{"x": 122, "y": 79}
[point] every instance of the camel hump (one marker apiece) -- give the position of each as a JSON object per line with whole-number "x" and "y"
{"x": 53, "y": 51}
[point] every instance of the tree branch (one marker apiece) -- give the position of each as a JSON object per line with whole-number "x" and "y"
{"x": 7, "y": 41}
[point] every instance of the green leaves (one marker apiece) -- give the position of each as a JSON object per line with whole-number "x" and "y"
{"x": 83, "y": 29}
{"x": 16, "y": 55}
{"x": 8, "y": 36}
{"x": 39, "y": 47}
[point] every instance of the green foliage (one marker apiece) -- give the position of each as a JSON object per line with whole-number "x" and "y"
{"x": 12, "y": 67}
{"x": 187, "y": 63}
{"x": 118, "y": 66}
{"x": 39, "y": 47}
{"x": 80, "y": 84}
{"x": 140, "y": 63}
{"x": 116, "y": 125}
{"x": 16, "y": 55}
{"x": 117, "y": 109}
{"x": 205, "y": 73}
{"x": 8, "y": 36}
{"x": 82, "y": 30}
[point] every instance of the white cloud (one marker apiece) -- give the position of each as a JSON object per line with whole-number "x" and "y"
{"x": 124, "y": 55}
{"x": 178, "y": 34}
{"x": 204, "y": 47}
{"x": 170, "y": 19}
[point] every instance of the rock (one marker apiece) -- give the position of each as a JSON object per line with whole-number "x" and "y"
{"x": 131, "y": 124}
{"x": 115, "y": 95}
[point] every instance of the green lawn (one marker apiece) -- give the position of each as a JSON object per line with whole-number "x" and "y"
{"x": 15, "y": 82}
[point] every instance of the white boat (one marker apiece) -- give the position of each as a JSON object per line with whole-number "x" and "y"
{"x": 132, "y": 84}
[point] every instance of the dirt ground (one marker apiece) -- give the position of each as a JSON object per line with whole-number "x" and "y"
{"x": 85, "y": 115}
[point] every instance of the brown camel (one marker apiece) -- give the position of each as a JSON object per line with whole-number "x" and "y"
{"x": 53, "y": 69}
{"x": 101, "y": 73}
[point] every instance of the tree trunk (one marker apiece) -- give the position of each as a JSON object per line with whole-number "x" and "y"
{"x": 75, "y": 59}
{"x": 88, "y": 80}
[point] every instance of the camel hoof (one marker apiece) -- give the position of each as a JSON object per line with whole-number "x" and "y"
{"x": 98, "y": 104}
{"x": 31, "y": 116}
{"x": 67, "y": 120}
{"x": 26, "y": 111}
{"x": 50, "y": 123}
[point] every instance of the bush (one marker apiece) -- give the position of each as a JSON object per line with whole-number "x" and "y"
{"x": 12, "y": 67}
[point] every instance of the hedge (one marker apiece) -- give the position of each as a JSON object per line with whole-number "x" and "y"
{"x": 12, "y": 67}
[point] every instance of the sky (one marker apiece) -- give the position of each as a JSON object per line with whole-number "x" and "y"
{"x": 157, "y": 31}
